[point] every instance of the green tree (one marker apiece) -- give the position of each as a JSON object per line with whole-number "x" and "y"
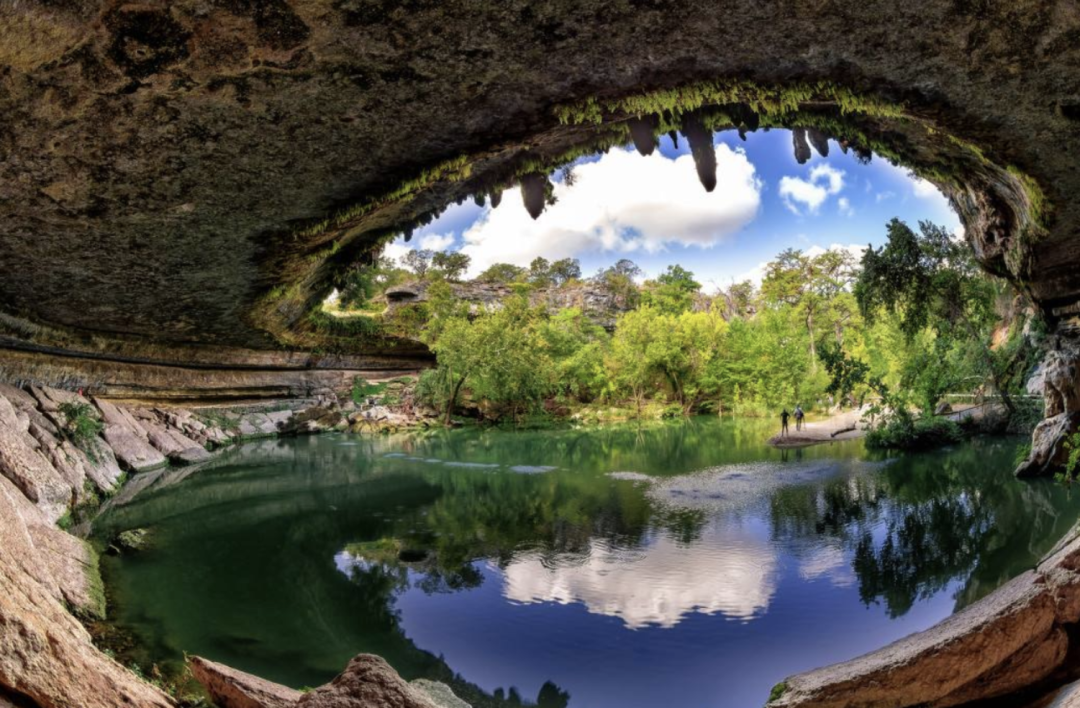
{"x": 672, "y": 291}
{"x": 451, "y": 265}
{"x": 564, "y": 270}
{"x": 931, "y": 281}
{"x": 540, "y": 272}
{"x": 501, "y": 273}
{"x": 418, "y": 261}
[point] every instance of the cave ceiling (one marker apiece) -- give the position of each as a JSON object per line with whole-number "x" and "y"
{"x": 202, "y": 171}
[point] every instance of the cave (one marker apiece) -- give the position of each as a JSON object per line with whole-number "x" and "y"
{"x": 183, "y": 185}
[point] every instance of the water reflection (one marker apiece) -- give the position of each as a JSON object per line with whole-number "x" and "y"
{"x": 676, "y": 564}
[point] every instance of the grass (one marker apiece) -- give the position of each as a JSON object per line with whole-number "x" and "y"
{"x": 361, "y": 389}
{"x": 778, "y": 691}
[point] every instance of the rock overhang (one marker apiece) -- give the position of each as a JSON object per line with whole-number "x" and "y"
{"x": 202, "y": 172}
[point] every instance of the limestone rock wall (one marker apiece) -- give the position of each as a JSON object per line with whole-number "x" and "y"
{"x": 596, "y": 302}
{"x": 1060, "y": 376}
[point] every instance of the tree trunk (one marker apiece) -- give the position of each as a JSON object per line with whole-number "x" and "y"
{"x": 453, "y": 399}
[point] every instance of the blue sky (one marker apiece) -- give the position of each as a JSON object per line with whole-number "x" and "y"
{"x": 655, "y": 212}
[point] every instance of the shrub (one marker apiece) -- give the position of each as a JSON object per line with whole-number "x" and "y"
{"x": 1072, "y": 444}
{"x": 905, "y": 433}
{"x": 361, "y": 389}
{"x": 82, "y": 427}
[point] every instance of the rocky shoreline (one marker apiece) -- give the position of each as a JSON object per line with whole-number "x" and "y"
{"x": 50, "y": 580}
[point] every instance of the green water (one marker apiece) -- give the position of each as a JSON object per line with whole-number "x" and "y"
{"x": 677, "y": 564}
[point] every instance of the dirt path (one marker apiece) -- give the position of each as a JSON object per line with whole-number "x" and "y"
{"x": 842, "y": 426}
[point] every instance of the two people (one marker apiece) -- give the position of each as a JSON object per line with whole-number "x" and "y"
{"x": 784, "y": 415}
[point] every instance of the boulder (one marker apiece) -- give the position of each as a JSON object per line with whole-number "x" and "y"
{"x": 19, "y": 398}
{"x": 73, "y": 566}
{"x": 133, "y": 452}
{"x": 230, "y": 688}
{"x": 439, "y": 693}
{"x": 47, "y": 655}
{"x": 32, "y": 473}
{"x": 104, "y": 471}
{"x": 191, "y": 456}
{"x": 316, "y": 419}
{"x": 367, "y": 682}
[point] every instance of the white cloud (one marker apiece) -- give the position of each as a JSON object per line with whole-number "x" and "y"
{"x": 844, "y": 206}
{"x": 924, "y": 189}
{"x": 882, "y": 196}
{"x": 811, "y": 194}
{"x": 396, "y": 249}
{"x": 621, "y": 203}
{"x": 436, "y": 242}
{"x": 731, "y": 570}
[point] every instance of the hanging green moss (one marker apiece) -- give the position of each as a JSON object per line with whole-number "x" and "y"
{"x": 765, "y": 100}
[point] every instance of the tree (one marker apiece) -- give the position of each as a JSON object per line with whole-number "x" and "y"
{"x": 451, "y": 265}
{"x": 540, "y": 272}
{"x": 673, "y": 290}
{"x": 418, "y": 261}
{"x": 501, "y": 356}
{"x": 501, "y": 273}
{"x": 740, "y": 299}
{"x": 930, "y": 281}
{"x": 564, "y": 270}
{"x": 619, "y": 280}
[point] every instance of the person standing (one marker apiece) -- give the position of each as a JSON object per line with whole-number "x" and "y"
{"x": 798, "y": 416}
{"x": 784, "y": 415}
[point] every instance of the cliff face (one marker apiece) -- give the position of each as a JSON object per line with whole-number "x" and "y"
{"x": 595, "y": 301}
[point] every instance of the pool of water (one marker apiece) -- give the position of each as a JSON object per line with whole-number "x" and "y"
{"x": 684, "y": 564}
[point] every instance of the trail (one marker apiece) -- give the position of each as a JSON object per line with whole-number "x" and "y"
{"x": 842, "y": 426}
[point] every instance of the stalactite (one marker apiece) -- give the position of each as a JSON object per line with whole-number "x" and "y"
{"x": 479, "y": 199}
{"x": 534, "y": 192}
{"x": 495, "y": 197}
{"x": 802, "y": 149}
{"x": 819, "y": 140}
{"x": 701, "y": 147}
{"x": 642, "y": 132}
{"x": 674, "y": 138}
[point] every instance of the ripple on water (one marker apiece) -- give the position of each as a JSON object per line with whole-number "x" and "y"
{"x": 532, "y": 469}
{"x": 631, "y": 476}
